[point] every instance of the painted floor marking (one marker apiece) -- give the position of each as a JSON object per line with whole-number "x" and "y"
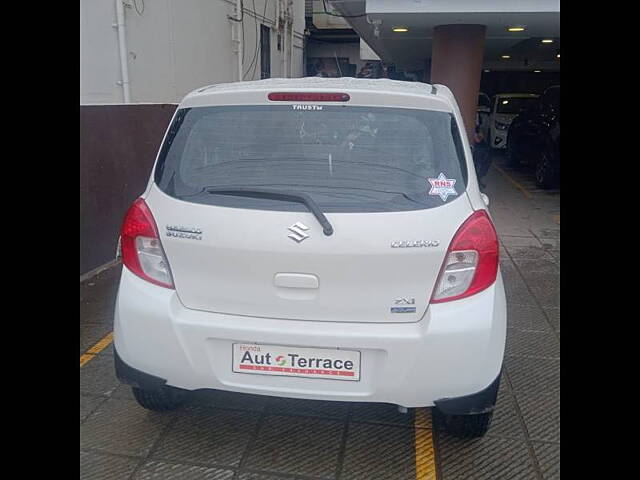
{"x": 425, "y": 453}
{"x": 423, "y": 426}
{"x": 524, "y": 191}
{"x": 96, "y": 349}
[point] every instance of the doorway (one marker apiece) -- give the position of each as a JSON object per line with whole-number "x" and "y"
{"x": 265, "y": 52}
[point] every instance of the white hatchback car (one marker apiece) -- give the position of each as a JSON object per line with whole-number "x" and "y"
{"x": 506, "y": 107}
{"x": 314, "y": 238}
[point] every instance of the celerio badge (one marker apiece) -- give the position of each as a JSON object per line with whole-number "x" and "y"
{"x": 414, "y": 243}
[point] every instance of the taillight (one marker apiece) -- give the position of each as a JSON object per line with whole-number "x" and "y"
{"x": 308, "y": 97}
{"x": 141, "y": 248}
{"x": 471, "y": 264}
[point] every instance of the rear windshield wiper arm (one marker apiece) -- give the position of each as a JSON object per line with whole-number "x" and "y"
{"x": 302, "y": 198}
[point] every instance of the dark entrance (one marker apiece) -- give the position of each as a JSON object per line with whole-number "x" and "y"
{"x": 265, "y": 52}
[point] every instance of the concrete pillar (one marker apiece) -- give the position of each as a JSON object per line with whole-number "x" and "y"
{"x": 456, "y": 61}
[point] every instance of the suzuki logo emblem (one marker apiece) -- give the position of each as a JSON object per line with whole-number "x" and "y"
{"x": 297, "y": 232}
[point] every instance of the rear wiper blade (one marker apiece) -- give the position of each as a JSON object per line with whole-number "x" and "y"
{"x": 302, "y": 198}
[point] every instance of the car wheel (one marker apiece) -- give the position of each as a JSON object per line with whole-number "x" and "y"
{"x": 163, "y": 399}
{"x": 468, "y": 426}
{"x": 544, "y": 172}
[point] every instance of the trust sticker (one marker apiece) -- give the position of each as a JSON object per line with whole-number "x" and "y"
{"x": 442, "y": 186}
{"x": 307, "y": 107}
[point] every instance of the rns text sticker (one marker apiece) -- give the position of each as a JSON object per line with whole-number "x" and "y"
{"x": 442, "y": 186}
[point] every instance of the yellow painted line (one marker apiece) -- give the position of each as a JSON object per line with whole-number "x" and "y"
{"x": 557, "y": 219}
{"x": 96, "y": 349}
{"x": 84, "y": 358}
{"x": 425, "y": 453}
{"x": 524, "y": 191}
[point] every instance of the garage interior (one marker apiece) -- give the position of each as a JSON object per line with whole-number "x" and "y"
{"x": 493, "y": 47}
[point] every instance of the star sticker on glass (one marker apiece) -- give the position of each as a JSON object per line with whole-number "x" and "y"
{"x": 442, "y": 186}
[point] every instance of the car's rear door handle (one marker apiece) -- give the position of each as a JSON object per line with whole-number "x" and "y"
{"x": 296, "y": 280}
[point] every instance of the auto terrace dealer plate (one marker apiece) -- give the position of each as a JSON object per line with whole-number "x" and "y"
{"x": 296, "y": 362}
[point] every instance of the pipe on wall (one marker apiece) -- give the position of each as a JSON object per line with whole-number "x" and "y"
{"x": 285, "y": 49}
{"x": 290, "y": 8}
{"x": 239, "y": 19}
{"x": 122, "y": 49}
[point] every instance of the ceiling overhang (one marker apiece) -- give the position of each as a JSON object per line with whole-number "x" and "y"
{"x": 541, "y": 19}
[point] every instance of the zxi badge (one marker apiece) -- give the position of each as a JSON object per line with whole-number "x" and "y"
{"x": 404, "y": 301}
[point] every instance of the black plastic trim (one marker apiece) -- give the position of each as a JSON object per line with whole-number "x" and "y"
{"x": 302, "y": 198}
{"x": 134, "y": 377}
{"x": 483, "y": 401}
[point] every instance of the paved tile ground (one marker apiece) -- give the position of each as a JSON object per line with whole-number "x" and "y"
{"x": 220, "y": 435}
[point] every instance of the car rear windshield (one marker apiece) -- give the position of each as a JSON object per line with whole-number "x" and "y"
{"x": 514, "y": 104}
{"x": 348, "y": 159}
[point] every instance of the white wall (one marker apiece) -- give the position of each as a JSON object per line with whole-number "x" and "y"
{"x": 175, "y": 46}
{"x": 322, "y": 20}
{"x": 99, "y": 60}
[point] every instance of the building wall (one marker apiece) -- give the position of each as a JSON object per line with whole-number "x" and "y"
{"x": 322, "y": 20}
{"x": 118, "y": 145}
{"x": 175, "y": 46}
{"x": 99, "y": 59}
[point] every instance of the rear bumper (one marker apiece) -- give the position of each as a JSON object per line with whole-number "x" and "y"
{"x": 456, "y": 350}
{"x": 483, "y": 401}
{"x": 479, "y": 402}
{"x": 134, "y": 377}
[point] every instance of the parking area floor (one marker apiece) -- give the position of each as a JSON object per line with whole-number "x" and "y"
{"x": 220, "y": 435}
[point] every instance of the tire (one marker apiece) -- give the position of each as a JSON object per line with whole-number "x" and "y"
{"x": 164, "y": 399}
{"x": 467, "y": 426}
{"x": 545, "y": 174}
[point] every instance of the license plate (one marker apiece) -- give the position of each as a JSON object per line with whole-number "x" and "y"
{"x": 332, "y": 364}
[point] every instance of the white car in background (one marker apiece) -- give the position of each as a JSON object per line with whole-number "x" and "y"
{"x": 504, "y": 108}
{"x": 483, "y": 113}
{"x": 314, "y": 238}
